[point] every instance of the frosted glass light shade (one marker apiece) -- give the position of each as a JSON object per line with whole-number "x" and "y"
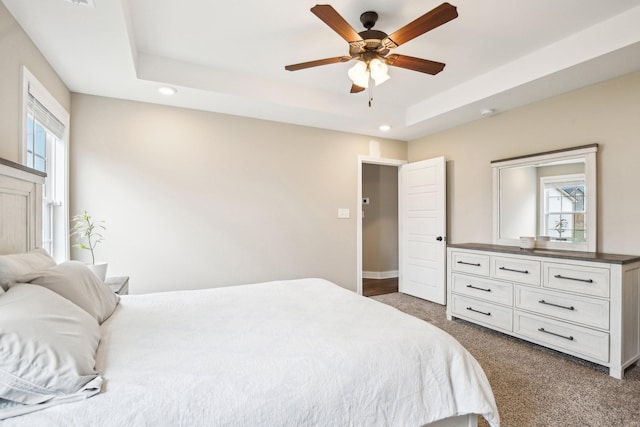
{"x": 359, "y": 74}
{"x": 379, "y": 71}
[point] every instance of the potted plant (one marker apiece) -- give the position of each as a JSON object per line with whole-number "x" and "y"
{"x": 560, "y": 226}
{"x": 87, "y": 232}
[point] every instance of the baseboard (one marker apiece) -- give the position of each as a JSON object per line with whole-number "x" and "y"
{"x": 380, "y": 274}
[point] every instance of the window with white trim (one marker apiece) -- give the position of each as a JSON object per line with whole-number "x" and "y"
{"x": 564, "y": 207}
{"x": 44, "y": 148}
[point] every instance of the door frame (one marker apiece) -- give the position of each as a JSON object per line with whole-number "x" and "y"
{"x": 373, "y": 161}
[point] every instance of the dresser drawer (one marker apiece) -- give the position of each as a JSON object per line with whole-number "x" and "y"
{"x": 487, "y": 289}
{"x": 580, "y": 279}
{"x": 563, "y": 336}
{"x": 516, "y": 270}
{"x": 470, "y": 263}
{"x": 482, "y": 312}
{"x": 584, "y": 310}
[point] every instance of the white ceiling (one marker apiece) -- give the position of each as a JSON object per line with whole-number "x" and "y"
{"x": 229, "y": 57}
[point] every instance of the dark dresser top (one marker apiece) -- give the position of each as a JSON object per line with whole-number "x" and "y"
{"x": 575, "y": 255}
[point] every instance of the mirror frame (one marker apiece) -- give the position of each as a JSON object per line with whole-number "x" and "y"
{"x": 586, "y": 153}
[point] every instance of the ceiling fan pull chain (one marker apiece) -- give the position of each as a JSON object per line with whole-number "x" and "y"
{"x": 370, "y": 95}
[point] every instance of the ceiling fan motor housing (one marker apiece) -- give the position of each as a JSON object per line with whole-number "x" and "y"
{"x": 370, "y": 46}
{"x": 372, "y": 43}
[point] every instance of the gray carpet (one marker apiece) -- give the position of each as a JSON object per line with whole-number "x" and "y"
{"x": 533, "y": 385}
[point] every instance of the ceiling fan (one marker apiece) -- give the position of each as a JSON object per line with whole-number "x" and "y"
{"x": 371, "y": 47}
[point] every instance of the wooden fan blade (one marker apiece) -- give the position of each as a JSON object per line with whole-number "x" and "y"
{"x": 316, "y": 63}
{"x": 415, "y": 64}
{"x": 329, "y": 16}
{"x": 355, "y": 88}
{"x": 427, "y": 22}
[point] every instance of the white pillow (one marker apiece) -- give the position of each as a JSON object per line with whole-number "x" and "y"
{"x": 47, "y": 347}
{"x": 77, "y": 283}
{"x": 16, "y": 265}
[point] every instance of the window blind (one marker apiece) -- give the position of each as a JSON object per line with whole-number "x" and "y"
{"x": 44, "y": 116}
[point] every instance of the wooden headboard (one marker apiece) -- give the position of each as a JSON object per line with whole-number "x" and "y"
{"x": 20, "y": 207}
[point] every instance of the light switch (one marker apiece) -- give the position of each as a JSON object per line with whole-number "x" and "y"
{"x": 343, "y": 213}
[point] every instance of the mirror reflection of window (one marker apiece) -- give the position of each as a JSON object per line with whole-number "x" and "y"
{"x": 562, "y": 215}
{"x": 564, "y": 208}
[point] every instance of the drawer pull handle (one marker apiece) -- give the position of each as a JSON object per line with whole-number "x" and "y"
{"x": 515, "y": 271}
{"x": 570, "y": 338}
{"x": 560, "y": 276}
{"x": 480, "y": 289}
{"x": 469, "y": 263}
{"x": 478, "y": 311}
{"x": 557, "y": 305}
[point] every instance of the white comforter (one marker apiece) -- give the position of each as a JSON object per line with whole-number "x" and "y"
{"x": 293, "y": 353}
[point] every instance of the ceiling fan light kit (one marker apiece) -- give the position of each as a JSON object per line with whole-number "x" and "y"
{"x": 362, "y": 72}
{"x": 370, "y": 48}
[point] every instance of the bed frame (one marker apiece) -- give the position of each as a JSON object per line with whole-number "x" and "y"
{"x": 20, "y": 207}
{"x": 470, "y": 420}
{"x": 21, "y": 231}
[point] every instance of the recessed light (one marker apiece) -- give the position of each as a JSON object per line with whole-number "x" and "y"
{"x": 385, "y": 128}
{"x": 166, "y": 90}
{"x": 89, "y": 3}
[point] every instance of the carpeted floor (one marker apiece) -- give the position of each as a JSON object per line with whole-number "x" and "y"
{"x": 533, "y": 385}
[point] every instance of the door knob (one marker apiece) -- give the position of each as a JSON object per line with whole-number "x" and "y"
{"x": 439, "y": 238}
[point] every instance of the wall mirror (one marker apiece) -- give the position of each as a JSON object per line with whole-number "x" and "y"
{"x": 550, "y": 196}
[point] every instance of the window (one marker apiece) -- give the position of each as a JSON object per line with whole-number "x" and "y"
{"x": 564, "y": 207}
{"x": 44, "y": 147}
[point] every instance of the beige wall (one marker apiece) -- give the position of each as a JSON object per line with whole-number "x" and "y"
{"x": 195, "y": 199}
{"x": 16, "y": 50}
{"x": 607, "y": 114}
{"x": 380, "y": 221}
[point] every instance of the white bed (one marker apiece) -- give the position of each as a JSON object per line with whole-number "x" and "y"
{"x": 289, "y": 353}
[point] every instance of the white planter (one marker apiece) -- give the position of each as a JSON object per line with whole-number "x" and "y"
{"x": 99, "y": 269}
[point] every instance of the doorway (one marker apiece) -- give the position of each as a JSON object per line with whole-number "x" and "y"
{"x": 369, "y": 183}
{"x": 379, "y": 229}
{"x": 421, "y": 238}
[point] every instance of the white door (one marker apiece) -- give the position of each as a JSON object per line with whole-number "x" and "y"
{"x": 422, "y": 229}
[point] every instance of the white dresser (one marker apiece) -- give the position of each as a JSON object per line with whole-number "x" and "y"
{"x": 580, "y": 303}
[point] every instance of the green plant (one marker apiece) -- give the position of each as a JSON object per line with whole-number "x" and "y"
{"x": 561, "y": 225}
{"x": 87, "y": 232}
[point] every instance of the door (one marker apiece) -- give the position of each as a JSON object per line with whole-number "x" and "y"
{"x": 422, "y": 229}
